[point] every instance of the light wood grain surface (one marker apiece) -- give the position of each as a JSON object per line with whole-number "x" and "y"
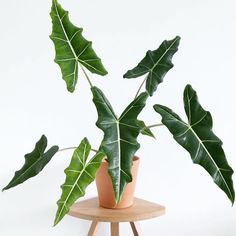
{"x": 93, "y": 228}
{"x": 141, "y": 210}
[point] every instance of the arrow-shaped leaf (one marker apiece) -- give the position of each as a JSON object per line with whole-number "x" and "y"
{"x": 144, "y": 129}
{"x": 155, "y": 64}
{"x": 34, "y": 162}
{"x": 120, "y": 137}
{"x": 198, "y": 139}
{"x": 79, "y": 174}
{"x": 72, "y": 48}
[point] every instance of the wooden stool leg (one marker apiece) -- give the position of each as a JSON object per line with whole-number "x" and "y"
{"x": 93, "y": 231}
{"x": 114, "y": 229}
{"x": 135, "y": 228}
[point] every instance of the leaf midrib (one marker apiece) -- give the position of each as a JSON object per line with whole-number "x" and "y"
{"x": 28, "y": 169}
{"x": 72, "y": 189}
{"x": 156, "y": 64}
{"x": 115, "y": 169}
{"x": 118, "y": 140}
{"x": 119, "y": 151}
{"x": 118, "y": 134}
{"x": 206, "y": 150}
{"x": 63, "y": 28}
{"x": 76, "y": 58}
{"x": 81, "y": 173}
{"x": 200, "y": 141}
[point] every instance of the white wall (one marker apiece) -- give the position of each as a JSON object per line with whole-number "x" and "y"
{"x": 33, "y": 101}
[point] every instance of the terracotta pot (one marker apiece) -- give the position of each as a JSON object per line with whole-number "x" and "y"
{"x": 105, "y": 190}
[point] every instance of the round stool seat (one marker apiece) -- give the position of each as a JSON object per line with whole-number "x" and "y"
{"x": 140, "y": 210}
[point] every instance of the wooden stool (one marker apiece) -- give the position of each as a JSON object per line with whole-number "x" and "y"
{"x": 90, "y": 210}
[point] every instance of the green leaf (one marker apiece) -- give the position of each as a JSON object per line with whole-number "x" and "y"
{"x": 34, "y": 162}
{"x": 155, "y": 64}
{"x": 120, "y": 137}
{"x": 198, "y": 139}
{"x": 79, "y": 174}
{"x": 144, "y": 129}
{"x": 72, "y": 48}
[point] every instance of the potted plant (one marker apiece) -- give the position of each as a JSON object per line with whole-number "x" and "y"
{"x": 75, "y": 55}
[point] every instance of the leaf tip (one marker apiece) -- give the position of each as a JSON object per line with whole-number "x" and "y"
{"x": 232, "y": 199}
{"x": 85, "y": 140}
{"x": 70, "y": 89}
{"x": 178, "y": 38}
{"x": 56, "y": 221}
{"x": 7, "y": 187}
{"x": 156, "y": 107}
{"x": 117, "y": 200}
{"x": 105, "y": 72}
{"x": 188, "y": 86}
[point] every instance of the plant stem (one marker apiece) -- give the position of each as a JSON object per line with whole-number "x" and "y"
{"x": 140, "y": 87}
{"x": 72, "y": 148}
{"x": 65, "y": 149}
{"x": 94, "y": 150}
{"x": 86, "y": 75}
{"x": 152, "y": 126}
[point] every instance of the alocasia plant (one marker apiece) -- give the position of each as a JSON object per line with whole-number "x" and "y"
{"x": 74, "y": 54}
